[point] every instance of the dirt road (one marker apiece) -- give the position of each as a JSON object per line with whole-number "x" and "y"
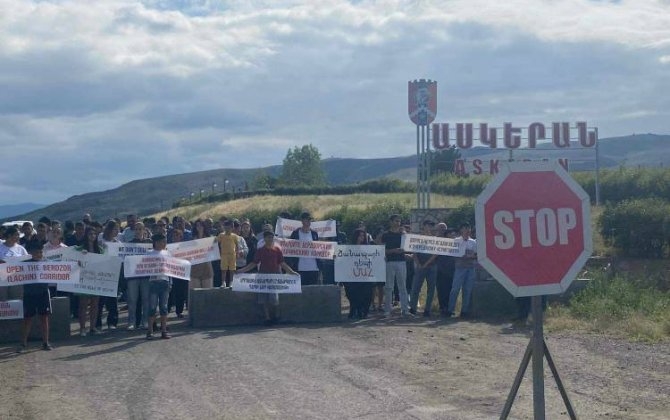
{"x": 370, "y": 369}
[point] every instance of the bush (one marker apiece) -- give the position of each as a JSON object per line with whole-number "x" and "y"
{"x": 638, "y": 228}
{"x": 375, "y": 217}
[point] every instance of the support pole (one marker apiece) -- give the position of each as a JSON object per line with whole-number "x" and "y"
{"x": 538, "y": 359}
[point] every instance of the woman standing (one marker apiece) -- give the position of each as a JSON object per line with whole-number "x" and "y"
{"x": 88, "y": 304}
{"x": 137, "y": 288}
{"x": 109, "y": 234}
{"x": 202, "y": 275}
{"x": 359, "y": 293}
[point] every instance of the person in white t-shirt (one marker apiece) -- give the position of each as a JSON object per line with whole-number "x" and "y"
{"x": 11, "y": 248}
{"x": 306, "y": 267}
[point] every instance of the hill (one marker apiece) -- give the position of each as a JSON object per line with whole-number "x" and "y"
{"x": 153, "y": 195}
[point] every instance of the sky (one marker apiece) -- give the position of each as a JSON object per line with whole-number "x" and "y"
{"x": 97, "y": 94}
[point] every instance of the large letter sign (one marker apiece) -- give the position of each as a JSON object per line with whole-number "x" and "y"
{"x": 533, "y": 228}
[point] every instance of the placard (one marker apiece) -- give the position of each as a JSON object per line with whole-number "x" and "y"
{"x": 266, "y": 283}
{"x": 99, "y": 274}
{"x": 18, "y": 274}
{"x": 11, "y": 309}
{"x": 155, "y": 265}
{"x": 360, "y": 263}
{"x": 310, "y": 249}
{"x": 196, "y": 251}
{"x": 325, "y": 228}
{"x": 432, "y": 245}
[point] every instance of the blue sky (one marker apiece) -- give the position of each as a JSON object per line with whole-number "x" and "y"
{"x": 96, "y": 94}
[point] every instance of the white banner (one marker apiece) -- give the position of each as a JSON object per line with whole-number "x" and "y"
{"x": 99, "y": 274}
{"x": 124, "y": 249}
{"x": 196, "y": 251}
{"x": 325, "y": 228}
{"x": 432, "y": 245}
{"x": 311, "y": 249}
{"x": 17, "y": 274}
{"x": 11, "y": 309}
{"x": 154, "y": 265}
{"x": 360, "y": 263}
{"x": 13, "y": 260}
{"x": 266, "y": 283}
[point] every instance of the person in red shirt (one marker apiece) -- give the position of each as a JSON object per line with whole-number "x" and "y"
{"x": 270, "y": 260}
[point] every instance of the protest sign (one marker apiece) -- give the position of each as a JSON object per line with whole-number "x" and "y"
{"x": 99, "y": 274}
{"x": 196, "y": 251}
{"x": 310, "y": 249}
{"x": 20, "y": 273}
{"x": 155, "y": 265}
{"x": 266, "y": 283}
{"x": 123, "y": 249}
{"x": 432, "y": 245}
{"x": 360, "y": 263}
{"x": 325, "y": 228}
{"x": 11, "y": 260}
{"x": 11, "y": 309}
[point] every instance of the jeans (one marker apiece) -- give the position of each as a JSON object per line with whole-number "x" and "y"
{"x": 430, "y": 274}
{"x": 396, "y": 273}
{"x": 158, "y": 296}
{"x": 137, "y": 288}
{"x": 112, "y": 305}
{"x": 463, "y": 278}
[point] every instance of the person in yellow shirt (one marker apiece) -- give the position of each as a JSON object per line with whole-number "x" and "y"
{"x": 229, "y": 250}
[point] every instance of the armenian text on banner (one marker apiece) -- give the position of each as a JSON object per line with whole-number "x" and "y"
{"x": 11, "y": 309}
{"x": 325, "y": 228}
{"x": 17, "y": 274}
{"x": 432, "y": 245}
{"x": 312, "y": 249}
{"x": 99, "y": 274}
{"x": 266, "y": 283}
{"x": 124, "y": 249}
{"x": 360, "y": 263}
{"x": 154, "y": 265}
{"x": 196, "y": 251}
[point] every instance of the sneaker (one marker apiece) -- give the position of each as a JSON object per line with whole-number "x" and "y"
{"x": 22, "y": 348}
{"x": 131, "y": 327}
{"x": 150, "y": 336}
{"x": 82, "y": 334}
{"x": 47, "y": 346}
{"x": 165, "y": 336}
{"x": 111, "y": 327}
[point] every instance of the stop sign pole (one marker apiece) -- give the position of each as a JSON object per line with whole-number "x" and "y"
{"x": 533, "y": 236}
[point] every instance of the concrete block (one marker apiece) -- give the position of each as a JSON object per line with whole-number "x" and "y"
{"x": 219, "y": 307}
{"x": 59, "y": 324}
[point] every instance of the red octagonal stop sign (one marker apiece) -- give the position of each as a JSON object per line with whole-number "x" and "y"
{"x": 533, "y": 228}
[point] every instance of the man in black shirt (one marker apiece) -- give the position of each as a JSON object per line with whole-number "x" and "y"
{"x": 36, "y": 300}
{"x": 396, "y": 270}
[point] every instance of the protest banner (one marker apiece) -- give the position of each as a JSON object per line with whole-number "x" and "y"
{"x": 266, "y": 283}
{"x": 196, "y": 251}
{"x": 123, "y": 249}
{"x": 99, "y": 273}
{"x": 20, "y": 273}
{"x": 311, "y": 249}
{"x": 325, "y": 228}
{"x": 11, "y": 309}
{"x": 12, "y": 260}
{"x": 432, "y": 245}
{"x": 155, "y": 265}
{"x": 360, "y": 263}
{"x": 55, "y": 254}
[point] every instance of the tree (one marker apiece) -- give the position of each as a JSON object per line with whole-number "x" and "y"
{"x": 442, "y": 161}
{"x": 263, "y": 181}
{"x": 302, "y": 168}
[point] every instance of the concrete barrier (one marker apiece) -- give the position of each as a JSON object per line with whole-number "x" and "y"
{"x": 218, "y": 307}
{"x": 59, "y": 324}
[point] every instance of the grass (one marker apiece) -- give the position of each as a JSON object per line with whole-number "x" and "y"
{"x": 635, "y": 305}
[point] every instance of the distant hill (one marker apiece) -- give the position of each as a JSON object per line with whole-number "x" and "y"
{"x": 146, "y": 196}
{"x": 9, "y": 210}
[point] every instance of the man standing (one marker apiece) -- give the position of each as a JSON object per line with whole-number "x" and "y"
{"x": 464, "y": 273}
{"x": 129, "y": 232}
{"x": 307, "y": 267}
{"x": 445, "y": 270}
{"x": 396, "y": 269}
{"x": 425, "y": 268}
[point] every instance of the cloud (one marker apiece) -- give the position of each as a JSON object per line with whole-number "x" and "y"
{"x": 118, "y": 90}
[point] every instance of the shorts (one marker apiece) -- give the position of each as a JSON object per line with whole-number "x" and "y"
{"x": 158, "y": 297}
{"x": 228, "y": 263}
{"x": 36, "y": 304}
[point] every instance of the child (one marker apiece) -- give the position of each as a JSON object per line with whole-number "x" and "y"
{"x": 269, "y": 259}
{"x": 159, "y": 290}
{"x": 36, "y": 300}
{"x": 228, "y": 247}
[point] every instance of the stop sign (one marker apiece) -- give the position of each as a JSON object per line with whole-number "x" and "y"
{"x": 533, "y": 228}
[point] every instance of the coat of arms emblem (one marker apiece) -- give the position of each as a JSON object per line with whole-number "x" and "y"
{"x": 422, "y": 101}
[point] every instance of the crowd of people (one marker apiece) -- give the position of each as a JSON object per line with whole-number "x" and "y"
{"x": 150, "y": 299}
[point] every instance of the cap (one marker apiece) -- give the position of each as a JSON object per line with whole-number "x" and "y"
{"x": 441, "y": 225}
{"x": 305, "y": 215}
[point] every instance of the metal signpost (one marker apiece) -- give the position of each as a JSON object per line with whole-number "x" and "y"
{"x": 533, "y": 236}
{"x": 422, "y": 108}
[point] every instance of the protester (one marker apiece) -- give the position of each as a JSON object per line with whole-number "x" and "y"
{"x": 445, "y": 270}
{"x": 241, "y": 259}
{"x": 464, "y": 273}
{"x": 252, "y": 242}
{"x": 228, "y": 249}
{"x": 425, "y": 269}
{"x": 88, "y": 304}
{"x": 359, "y": 293}
{"x": 396, "y": 269}
{"x": 159, "y": 289}
{"x": 137, "y": 288}
{"x": 11, "y": 248}
{"x": 202, "y": 275}
{"x": 36, "y": 301}
{"x": 179, "y": 291}
{"x": 307, "y": 267}
{"x": 109, "y": 235}
{"x": 270, "y": 260}
{"x": 129, "y": 232}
